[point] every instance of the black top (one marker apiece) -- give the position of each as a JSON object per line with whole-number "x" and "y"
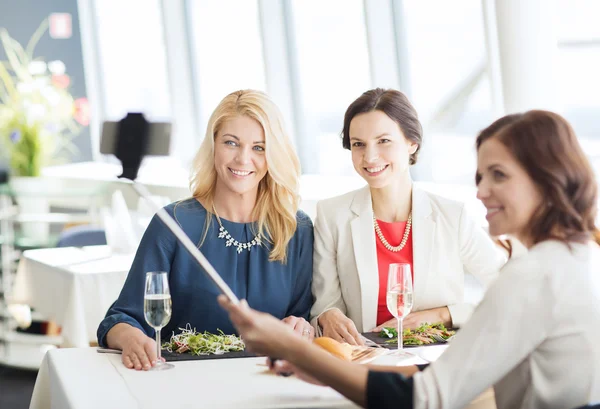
{"x": 389, "y": 390}
{"x": 269, "y": 286}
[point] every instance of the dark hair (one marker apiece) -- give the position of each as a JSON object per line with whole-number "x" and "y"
{"x": 396, "y": 106}
{"x": 546, "y": 146}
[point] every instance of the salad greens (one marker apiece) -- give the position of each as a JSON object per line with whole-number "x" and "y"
{"x": 203, "y": 343}
{"x": 388, "y": 332}
{"x": 418, "y": 336}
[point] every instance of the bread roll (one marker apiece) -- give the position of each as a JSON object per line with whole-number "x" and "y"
{"x": 342, "y": 351}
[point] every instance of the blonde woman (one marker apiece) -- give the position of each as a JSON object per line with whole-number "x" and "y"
{"x": 244, "y": 216}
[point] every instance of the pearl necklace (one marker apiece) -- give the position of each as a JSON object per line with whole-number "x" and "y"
{"x": 230, "y": 241}
{"x": 404, "y": 238}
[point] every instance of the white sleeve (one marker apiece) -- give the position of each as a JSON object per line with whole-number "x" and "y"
{"x": 481, "y": 258}
{"x": 510, "y": 322}
{"x": 326, "y": 284}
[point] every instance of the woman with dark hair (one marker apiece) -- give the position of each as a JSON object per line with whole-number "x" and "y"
{"x": 534, "y": 337}
{"x": 391, "y": 220}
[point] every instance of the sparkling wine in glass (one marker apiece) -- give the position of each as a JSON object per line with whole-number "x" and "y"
{"x": 399, "y": 294}
{"x": 157, "y": 309}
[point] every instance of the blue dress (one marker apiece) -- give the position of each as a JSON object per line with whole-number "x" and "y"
{"x": 270, "y": 286}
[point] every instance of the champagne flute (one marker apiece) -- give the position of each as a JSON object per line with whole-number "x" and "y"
{"x": 399, "y": 294}
{"x": 157, "y": 309}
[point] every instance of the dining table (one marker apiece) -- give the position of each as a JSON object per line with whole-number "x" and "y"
{"x": 77, "y": 378}
{"x": 72, "y": 286}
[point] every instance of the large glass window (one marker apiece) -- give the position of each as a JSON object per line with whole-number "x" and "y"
{"x": 333, "y": 70}
{"x": 227, "y": 50}
{"x": 449, "y": 83}
{"x": 132, "y": 58}
{"x": 579, "y": 70}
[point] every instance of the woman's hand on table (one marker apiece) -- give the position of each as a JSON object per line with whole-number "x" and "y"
{"x": 262, "y": 333}
{"x": 336, "y": 325}
{"x": 432, "y": 316}
{"x": 138, "y": 350}
{"x": 418, "y": 318}
{"x": 300, "y": 326}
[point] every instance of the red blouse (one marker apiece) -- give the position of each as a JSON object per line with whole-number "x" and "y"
{"x": 393, "y": 233}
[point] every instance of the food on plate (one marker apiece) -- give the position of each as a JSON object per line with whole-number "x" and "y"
{"x": 342, "y": 351}
{"x": 203, "y": 343}
{"x": 419, "y": 336}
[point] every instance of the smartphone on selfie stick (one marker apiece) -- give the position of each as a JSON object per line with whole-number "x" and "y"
{"x": 132, "y": 138}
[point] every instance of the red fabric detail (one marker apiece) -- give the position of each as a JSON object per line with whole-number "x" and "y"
{"x": 393, "y": 233}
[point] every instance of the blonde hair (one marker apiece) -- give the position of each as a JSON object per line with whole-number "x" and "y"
{"x": 278, "y": 197}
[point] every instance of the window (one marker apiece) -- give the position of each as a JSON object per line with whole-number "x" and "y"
{"x": 333, "y": 70}
{"x": 227, "y": 50}
{"x": 578, "y": 71}
{"x": 450, "y": 87}
{"x": 132, "y": 58}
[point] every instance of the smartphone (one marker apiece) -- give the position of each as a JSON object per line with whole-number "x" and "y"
{"x": 159, "y": 138}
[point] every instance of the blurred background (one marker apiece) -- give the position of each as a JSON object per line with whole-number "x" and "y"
{"x": 69, "y": 65}
{"x": 175, "y": 59}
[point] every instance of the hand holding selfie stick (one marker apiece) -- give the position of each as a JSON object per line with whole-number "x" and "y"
{"x": 130, "y": 146}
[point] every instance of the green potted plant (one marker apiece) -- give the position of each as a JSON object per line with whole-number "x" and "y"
{"x": 38, "y": 119}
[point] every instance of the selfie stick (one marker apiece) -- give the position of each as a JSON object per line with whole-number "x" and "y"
{"x": 130, "y": 147}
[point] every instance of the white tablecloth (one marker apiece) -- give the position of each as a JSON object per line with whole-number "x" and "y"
{"x": 72, "y": 286}
{"x": 82, "y": 378}
{"x": 74, "y": 378}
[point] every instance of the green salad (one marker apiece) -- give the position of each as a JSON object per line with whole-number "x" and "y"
{"x": 418, "y": 336}
{"x": 205, "y": 343}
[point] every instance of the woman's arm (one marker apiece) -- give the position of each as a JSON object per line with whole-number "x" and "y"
{"x": 512, "y": 320}
{"x": 264, "y": 334}
{"x": 302, "y": 263}
{"x": 302, "y": 298}
{"x": 349, "y": 379}
{"x": 326, "y": 284}
{"x": 139, "y": 350}
{"x": 328, "y": 314}
{"x": 519, "y": 296}
{"x": 155, "y": 253}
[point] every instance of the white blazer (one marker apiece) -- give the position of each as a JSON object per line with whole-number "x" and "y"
{"x": 534, "y": 337}
{"x": 446, "y": 242}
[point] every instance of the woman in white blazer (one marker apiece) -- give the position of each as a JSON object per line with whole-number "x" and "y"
{"x": 534, "y": 337}
{"x": 358, "y": 234}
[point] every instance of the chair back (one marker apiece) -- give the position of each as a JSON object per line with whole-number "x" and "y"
{"x": 80, "y": 236}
